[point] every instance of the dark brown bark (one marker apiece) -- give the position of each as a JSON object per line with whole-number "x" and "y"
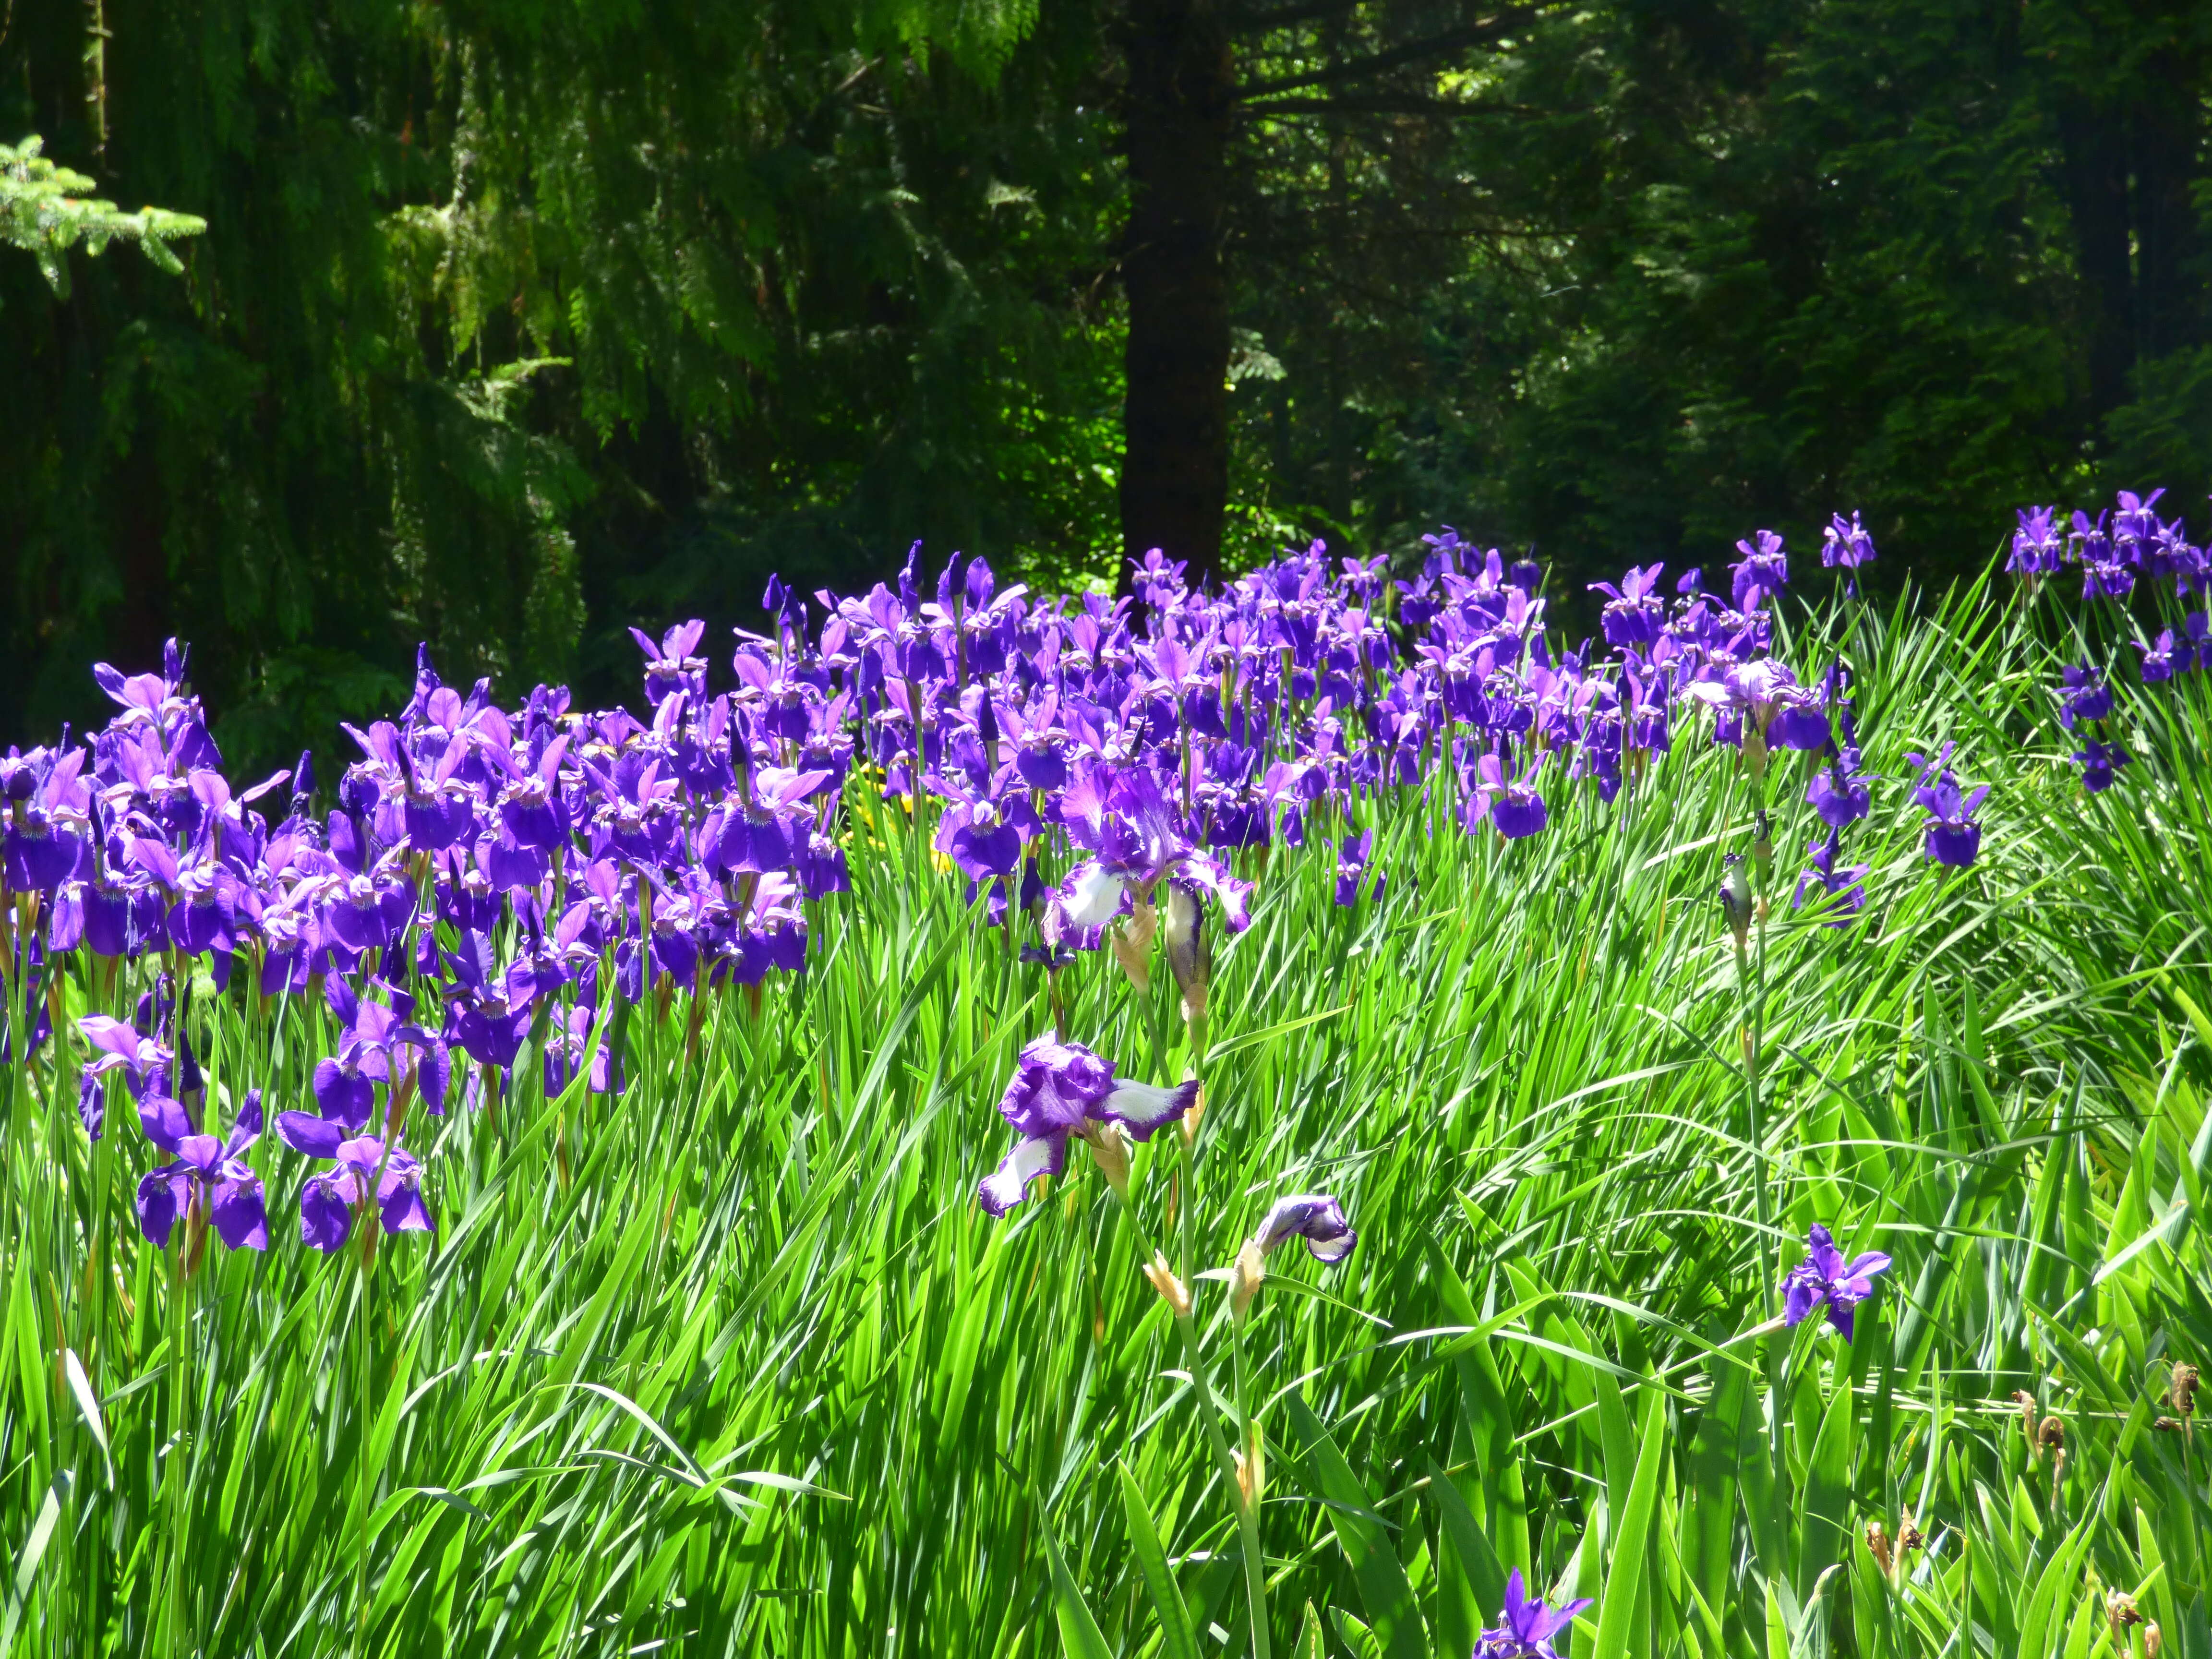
{"x": 2094, "y": 142}
{"x": 1175, "y": 467}
{"x": 2169, "y": 311}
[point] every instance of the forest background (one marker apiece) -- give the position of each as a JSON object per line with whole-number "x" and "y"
{"x": 516, "y": 321}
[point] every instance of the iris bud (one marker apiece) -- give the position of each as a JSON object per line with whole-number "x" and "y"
{"x": 1735, "y": 898}
{"x": 1173, "y": 1291}
{"x": 1133, "y": 945}
{"x": 1252, "y": 1467}
{"x": 1109, "y": 1148}
{"x": 1249, "y": 1275}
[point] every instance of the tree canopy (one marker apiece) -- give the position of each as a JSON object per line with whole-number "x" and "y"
{"x": 511, "y": 323}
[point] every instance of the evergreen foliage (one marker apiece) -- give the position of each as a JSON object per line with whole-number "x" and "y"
{"x": 43, "y": 210}
{"x": 515, "y": 323}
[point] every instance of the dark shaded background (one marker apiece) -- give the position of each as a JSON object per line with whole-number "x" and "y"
{"x": 517, "y": 322}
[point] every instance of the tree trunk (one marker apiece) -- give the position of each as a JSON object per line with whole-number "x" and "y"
{"x": 2169, "y": 312}
{"x": 1175, "y": 466}
{"x": 2096, "y": 178}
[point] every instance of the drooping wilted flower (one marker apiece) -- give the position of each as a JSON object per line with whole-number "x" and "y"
{"x": 1526, "y": 1628}
{"x": 1316, "y": 1217}
{"x": 1060, "y": 1089}
{"x": 1825, "y": 1279}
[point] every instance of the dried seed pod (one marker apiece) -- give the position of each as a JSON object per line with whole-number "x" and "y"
{"x": 1878, "y": 1542}
{"x": 2120, "y": 1612}
{"x": 2182, "y": 1394}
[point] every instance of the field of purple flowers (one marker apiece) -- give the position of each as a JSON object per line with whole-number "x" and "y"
{"x": 1739, "y": 1084}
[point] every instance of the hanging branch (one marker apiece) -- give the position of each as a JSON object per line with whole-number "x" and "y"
{"x": 44, "y": 210}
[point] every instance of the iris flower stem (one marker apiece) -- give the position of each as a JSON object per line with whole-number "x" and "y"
{"x": 1247, "y": 1506}
{"x": 1248, "y": 1519}
{"x": 173, "y": 1494}
{"x": 1749, "y": 998}
{"x": 367, "y": 1475}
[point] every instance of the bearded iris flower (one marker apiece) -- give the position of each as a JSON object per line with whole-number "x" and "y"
{"x": 1526, "y": 1628}
{"x": 1825, "y": 1279}
{"x": 1060, "y": 1089}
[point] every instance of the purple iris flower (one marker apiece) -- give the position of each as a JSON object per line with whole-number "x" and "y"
{"x": 2039, "y": 546}
{"x": 1846, "y": 546}
{"x": 2083, "y": 696}
{"x": 1763, "y": 570}
{"x": 1352, "y": 865}
{"x": 1797, "y": 722}
{"x": 1634, "y": 612}
{"x": 2099, "y": 763}
{"x": 1060, "y": 1089}
{"x": 1825, "y": 1279}
{"x": 1839, "y": 792}
{"x": 669, "y": 666}
{"x": 1120, "y": 816}
{"x": 1840, "y": 882}
{"x": 1954, "y": 836}
{"x": 368, "y": 1170}
{"x": 1526, "y": 1628}
{"x": 1313, "y": 1217}
{"x": 208, "y": 1178}
{"x": 1513, "y": 805}
{"x": 2164, "y": 657}
{"x": 144, "y": 1063}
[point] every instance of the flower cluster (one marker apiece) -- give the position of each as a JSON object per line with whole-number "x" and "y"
{"x": 489, "y": 882}
{"x": 2128, "y": 555}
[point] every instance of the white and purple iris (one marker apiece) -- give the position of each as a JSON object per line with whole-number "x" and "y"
{"x": 1060, "y": 1089}
{"x": 1313, "y": 1217}
{"x": 1825, "y": 1279}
